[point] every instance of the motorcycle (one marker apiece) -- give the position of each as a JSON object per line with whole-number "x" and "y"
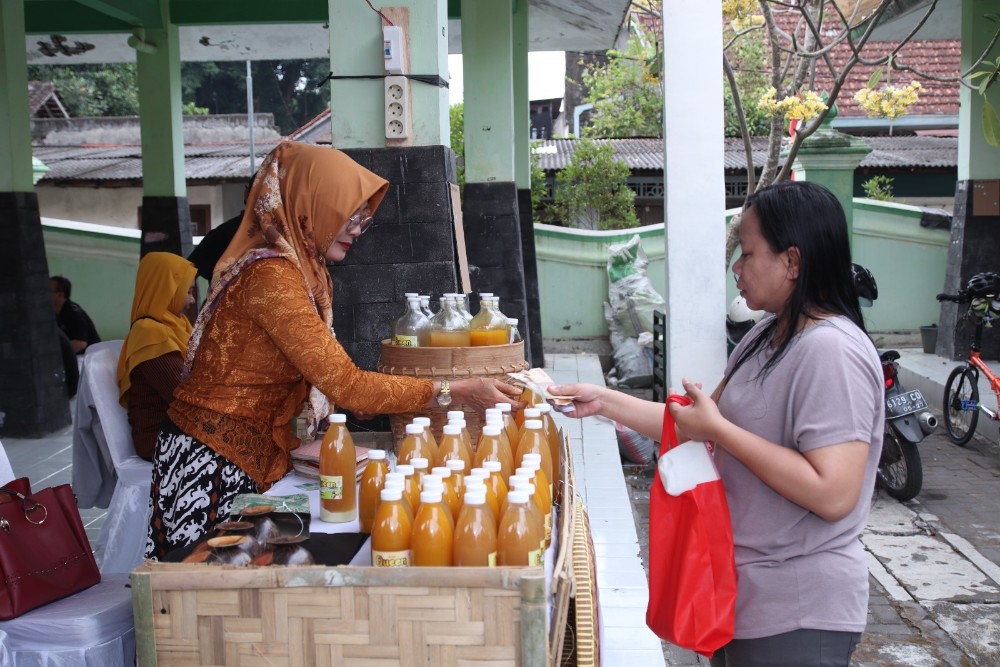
{"x": 907, "y": 422}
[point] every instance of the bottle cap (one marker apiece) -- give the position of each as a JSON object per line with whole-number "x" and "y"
{"x": 495, "y": 420}
{"x": 492, "y": 429}
{"x": 486, "y": 295}
{"x": 414, "y": 429}
{"x": 394, "y": 484}
{"x": 492, "y": 411}
{"x": 456, "y": 414}
{"x": 503, "y": 407}
{"x": 432, "y": 482}
{"x": 531, "y": 456}
{"x": 512, "y": 321}
{"x": 475, "y": 497}
{"x": 527, "y": 487}
{"x": 473, "y": 482}
{"x": 519, "y": 479}
{"x": 409, "y": 294}
{"x": 455, "y": 464}
{"x": 515, "y": 498}
{"x": 492, "y": 466}
{"x": 451, "y": 429}
{"x": 441, "y": 471}
{"x": 406, "y": 469}
{"x": 532, "y": 413}
{"x": 396, "y": 475}
{"x": 391, "y": 493}
{"x": 338, "y": 418}
{"x": 419, "y": 463}
{"x": 423, "y": 421}
{"x": 479, "y": 472}
{"x": 543, "y": 407}
{"x": 460, "y": 423}
{"x": 525, "y": 471}
{"x": 533, "y": 423}
{"x": 432, "y": 496}
{"x": 376, "y": 455}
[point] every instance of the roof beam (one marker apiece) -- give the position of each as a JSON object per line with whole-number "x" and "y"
{"x": 145, "y": 13}
{"x": 45, "y": 17}
{"x": 237, "y": 12}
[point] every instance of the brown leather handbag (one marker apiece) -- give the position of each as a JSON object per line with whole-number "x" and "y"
{"x": 44, "y": 551}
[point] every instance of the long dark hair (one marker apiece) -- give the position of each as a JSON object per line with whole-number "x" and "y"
{"x": 807, "y": 216}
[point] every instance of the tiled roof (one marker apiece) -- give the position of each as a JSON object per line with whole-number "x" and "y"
{"x": 43, "y": 100}
{"x": 647, "y": 154}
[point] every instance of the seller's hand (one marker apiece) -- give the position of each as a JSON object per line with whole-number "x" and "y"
{"x": 588, "y": 398}
{"x": 484, "y": 393}
{"x": 699, "y": 421}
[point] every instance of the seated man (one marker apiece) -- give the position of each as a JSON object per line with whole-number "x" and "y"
{"x": 71, "y": 318}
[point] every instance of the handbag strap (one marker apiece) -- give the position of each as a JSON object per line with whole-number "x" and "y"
{"x": 28, "y": 506}
{"x": 668, "y": 439}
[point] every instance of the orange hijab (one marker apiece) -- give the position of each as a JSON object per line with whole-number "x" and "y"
{"x": 161, "y": 288}
{"x": 299, "y": 204}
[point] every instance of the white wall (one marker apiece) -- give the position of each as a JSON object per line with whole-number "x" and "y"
{"x": 118, "y": 207}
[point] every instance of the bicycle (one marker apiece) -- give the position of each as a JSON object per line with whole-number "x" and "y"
{"x": 961, "y": 391}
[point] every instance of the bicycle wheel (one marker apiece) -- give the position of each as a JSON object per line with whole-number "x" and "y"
{"x": 961, "y": 404}
{"x": 899, "y": 469}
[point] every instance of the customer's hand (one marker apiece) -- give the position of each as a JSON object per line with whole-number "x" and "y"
{"x": 484, "y": 393}
{"x": 699, "y": 421}
{"x": 589, "y": 399}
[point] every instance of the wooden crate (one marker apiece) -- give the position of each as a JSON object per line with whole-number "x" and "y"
{"x": 196, "y": 614}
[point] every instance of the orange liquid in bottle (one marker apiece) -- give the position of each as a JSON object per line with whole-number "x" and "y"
{"x": 370, "y": 488}
{"x": 453, "y": 447}
{"x": 457, "y": 468}
{"x": 510, "y": 426}
{"x": 519, "y": 538}
{"x": 414, "y": 445}
{"x": 496, "y": 481}
{"x": 392, "y": 532}
{"x": 475, "y": 534}
{"x": 433, "y": 535}
{"x": 466, "y": 439}
{"x": 555, "y": 446}
{"x": 449, "y": 339}
{"x": 473, "y": 483}
{"x": 533, "y": 441}
{"x": 491, "y": 448}
{"x": 542, "y": 496}
{"x": 428, "y": 435}
{"x": 529, "y": 488}
{"x": 411, "y": 489}
{"x": 450, "y": 493}
{"x": 487, "y": 337}
{"x": 338, "y": 498}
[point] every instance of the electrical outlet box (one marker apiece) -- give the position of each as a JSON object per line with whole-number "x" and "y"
{"x": 397, "y": 107}
{"x": 392, "y": 38}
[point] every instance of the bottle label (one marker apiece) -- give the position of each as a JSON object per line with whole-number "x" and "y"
{"x": 491, "y": 559}
{"x": 536, "y": 557}
{"x": 391, "y": 558}
{"x": 406, "y": 341}
{"x": 331, "y": 487}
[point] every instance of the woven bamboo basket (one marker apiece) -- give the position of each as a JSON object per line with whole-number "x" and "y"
{"x": 448, "y": 363}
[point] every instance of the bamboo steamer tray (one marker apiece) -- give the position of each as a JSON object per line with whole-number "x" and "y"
{"x": 448, "y": 363}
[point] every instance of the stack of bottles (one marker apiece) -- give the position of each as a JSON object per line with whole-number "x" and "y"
{"x": 453, "y": 325}
{"x": 449, "y": 504}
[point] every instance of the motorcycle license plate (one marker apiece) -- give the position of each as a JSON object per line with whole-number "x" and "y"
{"x": 904, "y": 404}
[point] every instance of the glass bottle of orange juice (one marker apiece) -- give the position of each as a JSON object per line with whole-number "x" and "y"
{"x": 338, "y": 497}
{"x": 421, "y": 468}
{"x": 370, "y": 488}
{"x": 529, "y": 412}
{"x": 475, "y": 482}
{"x": 392, "y": 531}
{"x": 488, "y": 327}
{"x": 533, "y": 441}
{"x": 433, "y": 536}
{"x": 449, "y": 328}
{"x": 475, "y": 533}
{"x": 519, "y": 537}
{"x": 496, "y": 480}
{"x": 397, "y": 480}
{"x": 450, "y": 494}
{"x": 411, "y": 489}
{"x": 542, "y": 494}
{"x": 555, "y": 444}
{"x": 509, "y": 425}
{"x": 466, "y": 438}
{"x": 457, "y": 468}
{"x": 492, "y": 447}
{"x": 436, "y": 483}
{"x": 452, "y": 446}
{"x": 428, "y": 434}
{"x": 522, "y": 483}
{"x": 414, "y": 445}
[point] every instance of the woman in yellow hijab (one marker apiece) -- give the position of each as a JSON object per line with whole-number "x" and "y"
{"x": 152, "y": 357}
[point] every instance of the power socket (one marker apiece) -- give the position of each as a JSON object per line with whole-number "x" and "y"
{"x": 397, "y": 107}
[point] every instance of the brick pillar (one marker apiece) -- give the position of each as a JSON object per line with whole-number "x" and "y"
{"x": 32, "y": 389}
{"x": 974, "y": 245}
{"x": 493, "y": 242}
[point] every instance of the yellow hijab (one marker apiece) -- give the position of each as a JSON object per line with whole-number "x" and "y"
{"x": 161, "y": 287}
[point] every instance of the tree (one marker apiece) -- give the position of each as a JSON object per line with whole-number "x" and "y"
{"x": 456, "y": 114}
{"x": 92, "y": 90}
{"x": 591, "y": 192}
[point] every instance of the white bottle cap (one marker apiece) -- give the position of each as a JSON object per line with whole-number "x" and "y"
{"x": 395, "y": 475}
{"x": 451, "y": 429}
{"x": 492, "y": 412}
{"x": 460, "y": 423}
{"x": 543, "y": 408}
{"x": 492, "y": 466}
{"x": 527, "y": 487}
{"x": 441, "y": 471}
{"x": 394, "y": 483}
{"x": 486, "y": 295}
{"x": 525, "y": 471}
{"x": 479, "y": 472}
{"x": 495, "y": 420}
{"x": 492, "y": 429}
{"x": 475, "y": 497}
{"x": 519, "y": 479}
{"x": 456, "y": 414}
{"x": 405, "y": 468}
{"x": 376, "y": 455}
{"x": 517, "y": 498}
{"x": 409, "y": 294}
{"x": 432, "y": 482}
{"x": 503, "y": 407}
{"x": 532, "y": 423}
{"x": 423, "y": 421}
{"x": 419, "y": 463}
{"x": 531, "y": 456}
{"x": 338, "y": 418}
{"x": 391, "y": 493}
{"x": 472, "y": 482}
{"x": 455, "y": 464}
{"x": 512, "y": 321}
{"x": 532, "y": 413}
{"x": 431, "y": 496}
{"x": 414, "y": 429}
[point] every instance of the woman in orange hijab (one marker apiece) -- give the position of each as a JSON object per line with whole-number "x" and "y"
{"x": 263, "y": 344}
{"x": 152, "y": 356}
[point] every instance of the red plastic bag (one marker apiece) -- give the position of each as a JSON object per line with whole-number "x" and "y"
{"x": 692, "y": 574}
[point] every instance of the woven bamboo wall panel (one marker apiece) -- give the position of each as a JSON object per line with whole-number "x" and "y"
{"x": 349, "y": 626}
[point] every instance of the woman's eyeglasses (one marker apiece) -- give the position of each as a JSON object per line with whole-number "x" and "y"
{"x": 359, "y": 221}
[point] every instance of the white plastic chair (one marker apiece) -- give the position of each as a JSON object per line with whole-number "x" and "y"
{"x": 104, "y": 459}
{"x": 93, "y": 628}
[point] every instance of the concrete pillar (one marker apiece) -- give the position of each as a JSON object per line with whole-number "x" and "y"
{"x": 490, "y": 209}
{"x": 33, "y": 399}
{"x": 356, "y": 48}
{"x": 975, "y": 240}
{"x": 166, "y": 216}
{"x": 694, "y": 198}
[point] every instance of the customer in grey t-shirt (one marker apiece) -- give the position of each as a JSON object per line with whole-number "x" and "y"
{"x": 798, "y": 428}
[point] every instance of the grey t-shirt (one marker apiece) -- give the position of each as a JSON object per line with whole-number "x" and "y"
{"x": 796, "y": 570}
